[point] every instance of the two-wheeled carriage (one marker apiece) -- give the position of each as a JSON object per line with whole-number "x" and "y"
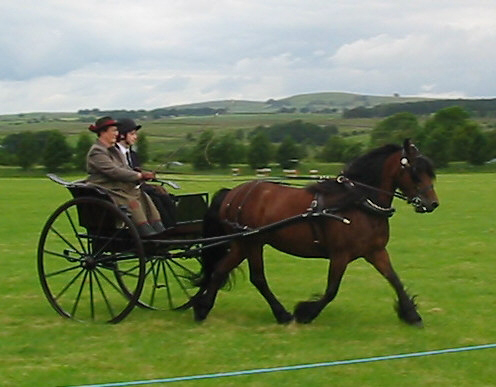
{"x": 93, "y": 265}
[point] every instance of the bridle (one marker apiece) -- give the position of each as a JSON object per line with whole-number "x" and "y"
{"x": 415, "y": 200}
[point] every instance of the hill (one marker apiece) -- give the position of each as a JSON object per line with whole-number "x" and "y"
{"x": 312, "y": 102}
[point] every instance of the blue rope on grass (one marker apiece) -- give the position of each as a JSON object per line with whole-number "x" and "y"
{"x": 292, "y": 368}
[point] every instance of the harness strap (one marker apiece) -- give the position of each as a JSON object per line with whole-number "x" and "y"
{"x": 236, "y": 219}
{"x": 317, "y": 206}
{"x": 365, "y": 202}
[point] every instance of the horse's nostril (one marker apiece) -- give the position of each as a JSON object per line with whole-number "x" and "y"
{"x": 435, "y": 205}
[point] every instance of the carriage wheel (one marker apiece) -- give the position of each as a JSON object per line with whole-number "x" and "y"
{"x": 168, "y": 283}
{"x": 78, "y": 269}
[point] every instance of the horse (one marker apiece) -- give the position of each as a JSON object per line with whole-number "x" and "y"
{"x": 358, "y": 203}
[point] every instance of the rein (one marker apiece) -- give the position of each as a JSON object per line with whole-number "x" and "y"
{"x": 343, "y": 179}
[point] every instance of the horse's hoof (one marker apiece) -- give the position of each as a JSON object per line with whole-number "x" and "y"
{"x": 200, "y": 315}
{"x": 285, "y": 318}
{"x": 417, "y": 322}
{"x": 199, "y": 310}
{"x": 305, "y": 312}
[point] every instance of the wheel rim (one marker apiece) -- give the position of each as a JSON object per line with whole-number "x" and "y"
{"x": 77, "y": 267}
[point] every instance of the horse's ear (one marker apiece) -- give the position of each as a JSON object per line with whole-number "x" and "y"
{"x": 409, "y": 148}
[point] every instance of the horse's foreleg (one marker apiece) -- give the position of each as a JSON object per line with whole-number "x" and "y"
{"x": 306, "y": 311}
{"x": 203, "y": 303}
{"x": 258, "y": 279}
{"x": 406, "y": 308}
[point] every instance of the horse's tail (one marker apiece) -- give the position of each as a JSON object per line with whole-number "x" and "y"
{"x": 212, "y": 227}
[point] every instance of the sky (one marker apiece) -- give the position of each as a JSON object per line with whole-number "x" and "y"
{"x": 66, "y": 55}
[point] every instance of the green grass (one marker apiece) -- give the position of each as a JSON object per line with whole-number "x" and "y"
{"x": 446, "y": 257}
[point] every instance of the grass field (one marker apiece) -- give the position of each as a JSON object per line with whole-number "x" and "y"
{"x": 446, "y": 257}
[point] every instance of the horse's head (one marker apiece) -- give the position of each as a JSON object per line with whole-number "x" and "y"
{"x": 415, "y": 178}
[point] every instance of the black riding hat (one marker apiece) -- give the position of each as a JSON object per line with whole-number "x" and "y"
{"x": 126, "y": 125}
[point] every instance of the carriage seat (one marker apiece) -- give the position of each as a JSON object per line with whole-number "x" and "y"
{"x": 89, "y": 216}
{"x": 190, "y": 208}
{"x": 81, "y": 188}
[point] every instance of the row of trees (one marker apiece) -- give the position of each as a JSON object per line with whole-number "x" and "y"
{"x": 477, "y": 107}
{"x": 299, "y": 131}
{"x": 51, "y": 149}
{"x": 448, "y": 135}
{"x": 227, "y": 149}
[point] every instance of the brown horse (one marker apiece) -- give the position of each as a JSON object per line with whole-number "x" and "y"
{"x": 361, "y": 196}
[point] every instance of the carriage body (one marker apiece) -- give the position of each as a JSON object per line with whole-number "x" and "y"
{"x": 93, "y": 265}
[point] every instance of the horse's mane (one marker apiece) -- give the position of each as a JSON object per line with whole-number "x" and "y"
{"x": 424, "y": 165}
{"x": 366, "y": 169}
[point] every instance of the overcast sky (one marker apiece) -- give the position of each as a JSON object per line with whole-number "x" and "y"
{"x": 66, "y": 55}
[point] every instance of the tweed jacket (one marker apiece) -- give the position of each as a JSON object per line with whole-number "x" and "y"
{"x": 108, "y": 168}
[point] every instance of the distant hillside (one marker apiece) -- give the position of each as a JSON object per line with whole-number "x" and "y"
{"x": 313, "y": 102}
{"x": 346, "y": 104}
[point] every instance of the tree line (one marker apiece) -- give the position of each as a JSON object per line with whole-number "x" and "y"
{"x": 448, "y": 135}
{"x": 155, "y": 114}
{"x": 476, "y": 107}
{"x": 51, "y": 149}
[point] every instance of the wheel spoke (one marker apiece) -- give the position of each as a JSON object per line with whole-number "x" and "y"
{"x": 69, "y": 284}
{"x": 107, "y": 243}
{"x": 70, "y": 259}
{"x": 102, "y": 291}
{"x": 187, "y": 269}
{"x": 155, "y": 273}
{"x": 129, "y": 272}
{"x": 64, "y": 239}
{"x": 178, "y": 279}
{"x": 69, "y": 217}
{"x": 48, "y": 275}
{"x": 117, "y": 288}
{"x": 166, "y": 280}
{"x": 78, "y": 297}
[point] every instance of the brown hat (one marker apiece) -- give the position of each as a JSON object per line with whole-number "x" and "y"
{"x": 102, "y": 123}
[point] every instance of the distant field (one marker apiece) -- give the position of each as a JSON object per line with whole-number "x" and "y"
{"x": 446, "y": 258}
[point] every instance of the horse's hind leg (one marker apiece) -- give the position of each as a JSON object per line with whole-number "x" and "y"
{"x": 406, "y": 307}
{"x": 258, "y": 279}
{"x": 203, "y": 303}
{"x": 306, "y": 311}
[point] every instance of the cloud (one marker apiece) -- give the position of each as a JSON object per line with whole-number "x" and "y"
{"x": 60, "y": 55}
